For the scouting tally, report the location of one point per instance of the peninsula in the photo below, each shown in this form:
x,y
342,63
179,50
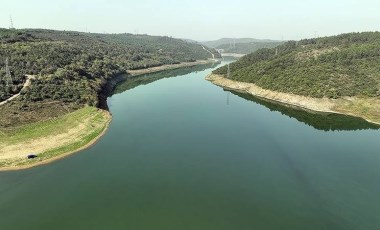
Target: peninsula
x,y
338,74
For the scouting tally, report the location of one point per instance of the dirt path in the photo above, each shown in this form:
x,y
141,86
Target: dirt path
x,y
26,84
213,55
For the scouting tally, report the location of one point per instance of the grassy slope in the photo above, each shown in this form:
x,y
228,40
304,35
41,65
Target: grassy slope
x,y
367,108
93,121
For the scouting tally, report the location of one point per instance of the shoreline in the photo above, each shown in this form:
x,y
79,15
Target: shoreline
x,y
107,114
63,155
169,67
117,79
365,108
235,55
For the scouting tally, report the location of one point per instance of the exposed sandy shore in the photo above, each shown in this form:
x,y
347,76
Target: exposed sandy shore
x,y
366,108
168,67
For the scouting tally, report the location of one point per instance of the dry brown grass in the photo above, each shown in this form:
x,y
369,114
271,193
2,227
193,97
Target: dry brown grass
x,y
308,54
17,113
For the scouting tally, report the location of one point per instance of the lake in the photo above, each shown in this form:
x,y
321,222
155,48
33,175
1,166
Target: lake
x,y
182,153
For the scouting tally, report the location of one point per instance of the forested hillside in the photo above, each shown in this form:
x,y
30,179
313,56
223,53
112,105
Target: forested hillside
x,y
72,67
344,65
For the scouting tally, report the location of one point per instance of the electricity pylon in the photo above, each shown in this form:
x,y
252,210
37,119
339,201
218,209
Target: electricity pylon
x,y
11,23
8,76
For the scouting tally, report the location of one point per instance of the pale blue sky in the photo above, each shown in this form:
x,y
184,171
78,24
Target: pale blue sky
x,y
197,19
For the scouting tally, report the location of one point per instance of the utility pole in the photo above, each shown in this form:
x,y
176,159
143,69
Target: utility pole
x,y
228,71
276,51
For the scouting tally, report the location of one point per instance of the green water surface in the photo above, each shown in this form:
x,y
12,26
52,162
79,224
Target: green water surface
x,y
182,153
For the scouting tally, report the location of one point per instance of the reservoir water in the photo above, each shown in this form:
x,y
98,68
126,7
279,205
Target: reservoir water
x,y
182,153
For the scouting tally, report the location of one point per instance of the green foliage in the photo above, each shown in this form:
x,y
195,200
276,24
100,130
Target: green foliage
x,y
73,67
344,65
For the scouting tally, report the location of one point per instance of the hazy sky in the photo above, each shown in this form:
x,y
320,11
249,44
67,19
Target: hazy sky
x,y
197,19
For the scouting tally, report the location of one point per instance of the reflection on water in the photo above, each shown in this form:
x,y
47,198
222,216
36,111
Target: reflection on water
x,y
320,121
145,79
177,157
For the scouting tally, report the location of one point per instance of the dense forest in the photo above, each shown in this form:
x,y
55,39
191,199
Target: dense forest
x,y
338,66
72,67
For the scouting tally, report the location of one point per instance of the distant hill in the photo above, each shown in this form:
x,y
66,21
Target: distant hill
x,y
190,40
231,41
333,67
241,45
246,48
